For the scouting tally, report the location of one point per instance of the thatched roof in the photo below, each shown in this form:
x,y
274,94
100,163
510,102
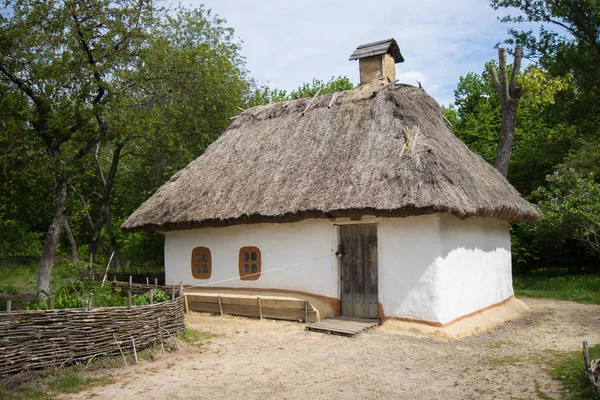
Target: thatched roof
x,y
376,150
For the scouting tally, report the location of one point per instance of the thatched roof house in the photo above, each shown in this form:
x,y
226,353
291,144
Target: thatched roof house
x,y
376,155
377,150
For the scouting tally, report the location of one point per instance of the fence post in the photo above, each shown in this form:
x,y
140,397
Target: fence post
x,y
259,309
220,305
155,283
90,300
8,306
52,302
305,312
172,292
147,281
134,350
151,296
160,336
130,281
129,300
180,289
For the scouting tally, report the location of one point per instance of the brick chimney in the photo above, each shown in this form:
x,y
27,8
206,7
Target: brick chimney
x,y
377,60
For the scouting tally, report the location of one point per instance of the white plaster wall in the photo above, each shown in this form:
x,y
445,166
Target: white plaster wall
x,y
408,248
432,268
438,268
281,245
476,270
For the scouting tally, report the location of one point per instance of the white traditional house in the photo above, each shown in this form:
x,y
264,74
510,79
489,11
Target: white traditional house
x,y
363,202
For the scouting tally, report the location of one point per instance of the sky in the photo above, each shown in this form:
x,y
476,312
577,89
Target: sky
x,y
287,43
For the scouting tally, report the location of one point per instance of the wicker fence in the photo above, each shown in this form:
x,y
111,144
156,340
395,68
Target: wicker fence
x,y
37,339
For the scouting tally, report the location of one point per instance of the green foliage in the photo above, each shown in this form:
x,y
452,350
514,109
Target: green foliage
x,y
75,294
544,284
542,88
317,86
570,53
143,247
540,143
160,83
478,114
570,371
266,95
17,240
570,203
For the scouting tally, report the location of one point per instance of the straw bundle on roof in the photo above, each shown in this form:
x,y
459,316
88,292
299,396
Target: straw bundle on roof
x,y
376,150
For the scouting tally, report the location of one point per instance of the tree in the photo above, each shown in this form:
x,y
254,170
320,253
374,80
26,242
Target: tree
x,y
68,59
190,80
478,114
566,44
580,19
509,94
542,139
265,95
569,229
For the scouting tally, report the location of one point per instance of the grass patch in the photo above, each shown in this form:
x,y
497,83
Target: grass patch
x,y
505,361
198,338
581,288
570,371
24,393
74,383
43,385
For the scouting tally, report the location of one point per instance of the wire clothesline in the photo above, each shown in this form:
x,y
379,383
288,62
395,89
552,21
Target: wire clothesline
x,y
263,272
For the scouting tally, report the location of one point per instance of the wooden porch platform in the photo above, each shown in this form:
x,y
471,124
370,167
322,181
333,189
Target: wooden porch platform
x,y
343,325
273,307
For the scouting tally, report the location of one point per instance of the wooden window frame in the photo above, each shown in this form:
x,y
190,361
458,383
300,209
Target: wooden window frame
x,y
205,260
249,276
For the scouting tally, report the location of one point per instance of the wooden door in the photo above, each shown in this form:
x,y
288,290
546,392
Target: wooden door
x,y
358,265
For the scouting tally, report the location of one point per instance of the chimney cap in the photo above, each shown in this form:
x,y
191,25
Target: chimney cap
x,y
378,48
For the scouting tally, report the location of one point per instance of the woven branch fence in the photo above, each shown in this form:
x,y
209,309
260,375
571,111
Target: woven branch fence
x,y
42,338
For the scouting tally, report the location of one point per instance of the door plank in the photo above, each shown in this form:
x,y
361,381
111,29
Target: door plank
x,y
358,268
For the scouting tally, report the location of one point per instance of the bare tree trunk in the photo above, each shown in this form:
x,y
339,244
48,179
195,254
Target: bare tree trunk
x,y
51,239
103,208
509,95
88,217
507,137
116,261
74,255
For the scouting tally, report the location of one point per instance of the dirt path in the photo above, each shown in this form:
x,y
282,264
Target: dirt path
x,y
265,359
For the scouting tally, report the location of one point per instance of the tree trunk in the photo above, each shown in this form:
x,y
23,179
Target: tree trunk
x,y
116,261
51,239
509,95
103,211
74,255
507,137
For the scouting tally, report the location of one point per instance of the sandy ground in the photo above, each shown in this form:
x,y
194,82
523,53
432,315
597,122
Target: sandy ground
x,y
267,360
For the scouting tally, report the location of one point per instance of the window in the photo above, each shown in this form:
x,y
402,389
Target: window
x,y
201,263
249,263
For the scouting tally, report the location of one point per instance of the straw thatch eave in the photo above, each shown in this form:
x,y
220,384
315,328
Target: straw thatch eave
x,y
376,150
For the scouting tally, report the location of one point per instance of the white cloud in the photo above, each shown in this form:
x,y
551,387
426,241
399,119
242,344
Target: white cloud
x,y
287,43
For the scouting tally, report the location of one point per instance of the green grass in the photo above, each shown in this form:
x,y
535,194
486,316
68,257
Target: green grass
x,y
74,383
570,371
198,338
580,288
24,393
44,385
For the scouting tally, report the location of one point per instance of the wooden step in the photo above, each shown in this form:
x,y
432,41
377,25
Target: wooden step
x,y
342,326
